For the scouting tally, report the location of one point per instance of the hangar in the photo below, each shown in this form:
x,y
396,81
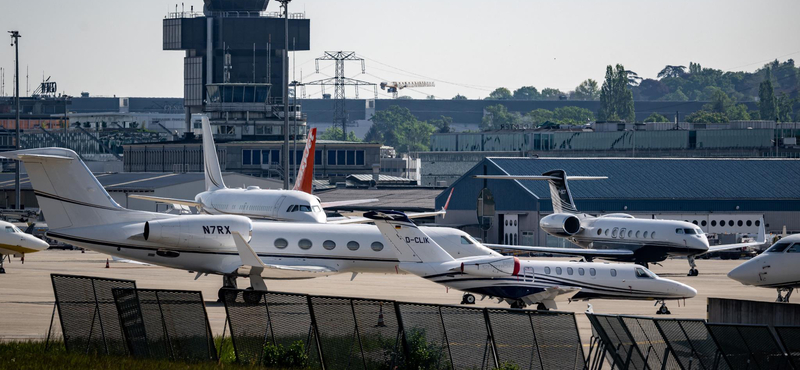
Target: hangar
x,y
725,197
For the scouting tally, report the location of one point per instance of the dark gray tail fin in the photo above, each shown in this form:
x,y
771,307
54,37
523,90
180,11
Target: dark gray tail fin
x,y
559,192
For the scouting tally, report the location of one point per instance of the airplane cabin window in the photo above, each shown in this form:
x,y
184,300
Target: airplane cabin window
x,y
703,223
465,241
641,273
581,271
645,234
606,232
599,232
778,247
304,244
795,248
9,229
558,270
653,235
749,223
329,244
637,234
678,231
377,246
613,272
592,272
547,270
353,245
630,233
740,223
758,222
614,232
622,233
569,270
281,243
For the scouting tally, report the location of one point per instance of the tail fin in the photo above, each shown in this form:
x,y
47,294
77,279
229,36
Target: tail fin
x,y
305,174
559,192
210,160
410,243
68,194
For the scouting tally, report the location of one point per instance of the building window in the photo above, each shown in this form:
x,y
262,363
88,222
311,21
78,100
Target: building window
x,y
704,223
247,157
713,222
359,157
749,223
758,222
265,156
257,157
318,158
340,155
740,223
331,157
275,156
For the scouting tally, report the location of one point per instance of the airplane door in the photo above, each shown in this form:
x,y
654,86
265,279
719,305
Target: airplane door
x,y
277,211
528,273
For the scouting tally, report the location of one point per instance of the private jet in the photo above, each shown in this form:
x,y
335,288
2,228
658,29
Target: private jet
x,y
618,236
14,242
522,282
776,268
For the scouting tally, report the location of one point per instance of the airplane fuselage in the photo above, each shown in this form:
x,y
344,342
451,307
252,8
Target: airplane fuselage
x,y
777,267
280,205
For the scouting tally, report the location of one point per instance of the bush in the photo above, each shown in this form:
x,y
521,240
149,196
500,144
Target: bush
x,y
294,357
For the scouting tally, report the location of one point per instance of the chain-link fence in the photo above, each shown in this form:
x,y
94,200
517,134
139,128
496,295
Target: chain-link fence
x,y
748,347
88,315
352,333
789,337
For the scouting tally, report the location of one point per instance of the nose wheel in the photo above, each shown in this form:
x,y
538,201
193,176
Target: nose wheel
x,y
693,271
468,299
663,310
784,298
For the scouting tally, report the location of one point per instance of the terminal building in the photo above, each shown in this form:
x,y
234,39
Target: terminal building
x,y
723,196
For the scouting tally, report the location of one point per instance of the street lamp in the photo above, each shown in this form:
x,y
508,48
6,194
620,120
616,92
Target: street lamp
x,y
15,43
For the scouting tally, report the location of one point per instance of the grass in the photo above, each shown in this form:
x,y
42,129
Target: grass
x,y
32,355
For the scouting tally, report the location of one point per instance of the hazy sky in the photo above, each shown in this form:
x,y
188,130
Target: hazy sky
x,y
113,47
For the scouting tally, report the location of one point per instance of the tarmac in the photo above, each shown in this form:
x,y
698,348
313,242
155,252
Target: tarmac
x,y
26,293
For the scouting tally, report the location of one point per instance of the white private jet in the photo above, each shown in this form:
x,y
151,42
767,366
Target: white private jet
x,y
14,242
618,236
297,204
776,268
522,282
79,211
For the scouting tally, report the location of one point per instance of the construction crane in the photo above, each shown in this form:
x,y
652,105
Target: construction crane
x,y
394,87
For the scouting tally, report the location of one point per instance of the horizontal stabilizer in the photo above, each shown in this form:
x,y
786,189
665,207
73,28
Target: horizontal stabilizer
x,y
342,203
21,154
761,239
183,202
511,177
364,220
600,253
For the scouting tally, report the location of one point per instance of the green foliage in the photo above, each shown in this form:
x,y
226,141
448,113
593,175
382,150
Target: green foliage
x,y
423,355
587,90
501,93
677,95
526,93
767,104
294,357
571,115
335,133
405,97
498,117
551,94
704,116
785,108
399,128
508,365
539,116
442,124
459,97
655,117
672,71
738,112
616,99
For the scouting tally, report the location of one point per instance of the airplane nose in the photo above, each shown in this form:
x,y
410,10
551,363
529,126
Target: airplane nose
x,y
743,273
687,291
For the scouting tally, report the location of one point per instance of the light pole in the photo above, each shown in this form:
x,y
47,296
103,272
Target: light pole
x,y
285,83
15,43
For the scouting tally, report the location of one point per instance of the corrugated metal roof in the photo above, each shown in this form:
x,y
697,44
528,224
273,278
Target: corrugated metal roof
x,y
125,181
661,178
419,199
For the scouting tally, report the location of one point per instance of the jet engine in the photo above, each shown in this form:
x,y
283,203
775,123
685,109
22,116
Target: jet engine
x,y
561,224
494,267
198,231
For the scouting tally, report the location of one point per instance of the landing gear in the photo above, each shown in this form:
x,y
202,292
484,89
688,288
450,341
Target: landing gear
x,y
518,304
468,299
228,281
541,307
692,267
784,298
663,310
2,263
251,296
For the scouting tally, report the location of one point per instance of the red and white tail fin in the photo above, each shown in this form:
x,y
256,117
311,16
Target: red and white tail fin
x,y
305,174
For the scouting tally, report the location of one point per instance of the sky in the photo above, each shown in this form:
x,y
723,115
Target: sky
x,y
466,47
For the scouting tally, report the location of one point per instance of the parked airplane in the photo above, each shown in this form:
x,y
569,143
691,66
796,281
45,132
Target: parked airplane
x,y
776,268
79,211
297,204
618,236
522,282
17,243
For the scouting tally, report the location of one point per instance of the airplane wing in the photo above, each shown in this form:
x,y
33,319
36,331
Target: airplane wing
x,y
600,253
761,240
125,260
548,296
257,270
182,202
364,220
346,203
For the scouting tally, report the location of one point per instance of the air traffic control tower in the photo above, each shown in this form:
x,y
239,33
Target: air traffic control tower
x,y
233,67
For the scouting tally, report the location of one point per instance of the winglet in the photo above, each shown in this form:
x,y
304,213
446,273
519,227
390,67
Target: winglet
x,y
305,173
250,258
447,203
762,233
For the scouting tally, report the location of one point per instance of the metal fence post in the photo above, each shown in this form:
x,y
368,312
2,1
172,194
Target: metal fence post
x,y
446,341
358,334
168,341
100,317
315,330
489,330
50,328
401,336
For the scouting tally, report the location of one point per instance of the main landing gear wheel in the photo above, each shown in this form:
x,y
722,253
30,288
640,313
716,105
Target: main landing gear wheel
x,y
226,294
784,298
693,272
468,299
251,296
518,304
228,281
663,310
541,307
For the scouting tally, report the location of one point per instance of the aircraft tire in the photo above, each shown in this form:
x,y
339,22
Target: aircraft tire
x,y
251,296
226,294
469,299
2,270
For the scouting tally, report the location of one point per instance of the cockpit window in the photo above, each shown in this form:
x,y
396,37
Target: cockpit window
x,y
316,209
9,229
778,247
678,231
642,273
305,208
690,231
466,241
291,208
795,248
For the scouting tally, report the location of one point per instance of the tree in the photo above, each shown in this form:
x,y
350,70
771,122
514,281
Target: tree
x,y
497,117
672,71
442,124
431,97
695,68
720,101
650,89
655,117
767,104
572,115
399,128
551,94
677,95
539,116
633,78
587,90
459,97
405,97
526,93
616,99
785,108
501,93
704,116
738,112
335,133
